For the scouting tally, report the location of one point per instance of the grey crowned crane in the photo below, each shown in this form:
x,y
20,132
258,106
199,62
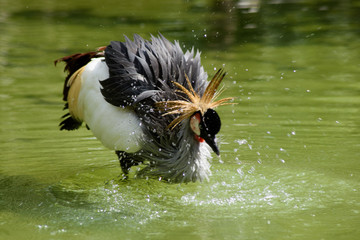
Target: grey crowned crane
x,y
150,102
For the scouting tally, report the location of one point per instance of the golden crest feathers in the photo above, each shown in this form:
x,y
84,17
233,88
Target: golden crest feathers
x,y
187,107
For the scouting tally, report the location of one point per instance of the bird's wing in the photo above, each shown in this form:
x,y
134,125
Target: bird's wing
x,y
142,69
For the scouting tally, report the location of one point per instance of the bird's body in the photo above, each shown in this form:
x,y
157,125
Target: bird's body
x,y
116,127
146,100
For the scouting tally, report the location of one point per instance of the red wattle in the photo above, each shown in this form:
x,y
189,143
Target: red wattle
x,y
198,138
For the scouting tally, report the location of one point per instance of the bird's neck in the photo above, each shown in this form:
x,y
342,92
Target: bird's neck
x,y
178,157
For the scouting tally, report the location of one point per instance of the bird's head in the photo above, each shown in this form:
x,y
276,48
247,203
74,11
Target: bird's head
x,y
204,121
205,127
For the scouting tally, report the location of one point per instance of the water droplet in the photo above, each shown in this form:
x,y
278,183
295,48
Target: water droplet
x,y
241,141
251,170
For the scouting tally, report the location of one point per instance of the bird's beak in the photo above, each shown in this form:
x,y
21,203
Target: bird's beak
x,y
210,140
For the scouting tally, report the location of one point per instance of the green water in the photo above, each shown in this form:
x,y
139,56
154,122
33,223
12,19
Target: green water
x,y
289,167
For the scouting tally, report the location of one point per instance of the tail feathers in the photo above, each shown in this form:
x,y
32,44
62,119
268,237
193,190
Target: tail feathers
x,y
74,63
69,123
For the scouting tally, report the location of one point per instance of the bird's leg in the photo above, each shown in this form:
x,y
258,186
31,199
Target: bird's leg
x,y
126,162
123,161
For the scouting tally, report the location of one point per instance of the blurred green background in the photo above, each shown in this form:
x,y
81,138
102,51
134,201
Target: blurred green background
x,y
289,167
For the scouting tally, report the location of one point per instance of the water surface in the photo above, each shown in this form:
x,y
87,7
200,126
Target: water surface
x,y
289,167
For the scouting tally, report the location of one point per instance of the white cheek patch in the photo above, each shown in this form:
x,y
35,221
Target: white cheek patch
x,y
194,124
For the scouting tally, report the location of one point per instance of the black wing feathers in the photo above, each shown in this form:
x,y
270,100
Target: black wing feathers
x,y
141,69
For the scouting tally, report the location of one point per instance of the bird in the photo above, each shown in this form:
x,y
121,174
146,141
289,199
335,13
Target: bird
x,y
151,102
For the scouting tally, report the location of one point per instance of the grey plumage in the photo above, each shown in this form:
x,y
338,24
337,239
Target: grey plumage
x,y
147,68
141,74
179,158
